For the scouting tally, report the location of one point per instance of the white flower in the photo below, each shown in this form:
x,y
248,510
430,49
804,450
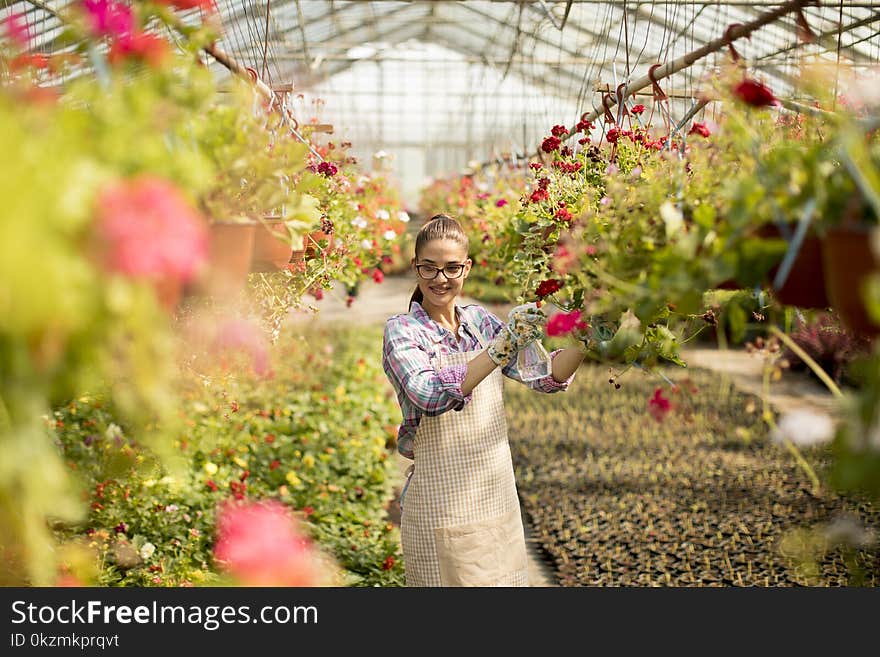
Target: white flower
x,y
147,550
114,431
359,222
672,217
366,244
389,235
354,205
171,508
404,217
804,428
383,215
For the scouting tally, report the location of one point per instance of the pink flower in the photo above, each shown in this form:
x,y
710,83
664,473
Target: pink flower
x,y
699,129
260,544
17,30
658,406
565,323
378,276
244,336
754,93
108,18
638,109
500,203
151,230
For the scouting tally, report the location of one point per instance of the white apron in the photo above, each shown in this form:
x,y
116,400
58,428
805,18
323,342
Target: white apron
x,y
460,522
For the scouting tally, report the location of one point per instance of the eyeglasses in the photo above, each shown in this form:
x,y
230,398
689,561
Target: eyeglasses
x,y
430,272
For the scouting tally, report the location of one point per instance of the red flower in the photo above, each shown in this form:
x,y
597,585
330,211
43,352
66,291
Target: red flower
x,y
261,544
583,126
183,5
699,129
378,276
550,144
565,323
638,109
500,203
121,528
548,287
307,511
211,484
327,169
141,46
563,215
535,166
754,93
584,140
274,464
658,406
389,562
539,195
612,135
559,131
318,293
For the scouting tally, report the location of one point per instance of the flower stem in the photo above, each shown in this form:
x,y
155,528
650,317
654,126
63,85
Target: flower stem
x,y
789,445
812,364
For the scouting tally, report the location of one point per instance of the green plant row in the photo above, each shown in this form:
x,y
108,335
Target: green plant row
x,y
316,435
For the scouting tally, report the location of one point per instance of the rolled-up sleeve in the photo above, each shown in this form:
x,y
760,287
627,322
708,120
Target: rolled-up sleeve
x,y
409,366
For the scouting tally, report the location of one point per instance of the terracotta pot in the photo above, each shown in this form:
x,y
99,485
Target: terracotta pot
x,y
804,286
229,258
272,249
848,263
312,241
169,292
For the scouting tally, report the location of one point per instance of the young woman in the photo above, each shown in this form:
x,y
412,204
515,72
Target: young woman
x,y
460,522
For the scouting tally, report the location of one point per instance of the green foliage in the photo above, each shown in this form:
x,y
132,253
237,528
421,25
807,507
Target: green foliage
x,y
316,437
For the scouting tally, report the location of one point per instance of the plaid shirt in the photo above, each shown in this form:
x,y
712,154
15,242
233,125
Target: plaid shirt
x,y
412,340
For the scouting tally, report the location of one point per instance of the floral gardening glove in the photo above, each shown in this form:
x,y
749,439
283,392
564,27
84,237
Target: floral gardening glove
x,y
525,324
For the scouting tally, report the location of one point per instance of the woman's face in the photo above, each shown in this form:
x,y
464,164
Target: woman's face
x,y
442,254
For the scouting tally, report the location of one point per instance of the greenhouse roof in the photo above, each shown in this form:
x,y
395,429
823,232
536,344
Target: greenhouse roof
x,y
482,77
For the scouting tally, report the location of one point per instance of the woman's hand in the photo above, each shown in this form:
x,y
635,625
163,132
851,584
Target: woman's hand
x,y
525,325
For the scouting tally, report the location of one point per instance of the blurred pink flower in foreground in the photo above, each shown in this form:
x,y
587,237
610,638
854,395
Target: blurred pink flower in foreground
x,y
260,544
659,406
245,336
108,18
565,323
17,30
151,230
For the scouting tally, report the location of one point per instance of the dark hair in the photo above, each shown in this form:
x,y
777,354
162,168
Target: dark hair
x,y
438,227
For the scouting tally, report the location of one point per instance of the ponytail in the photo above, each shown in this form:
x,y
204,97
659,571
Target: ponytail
x,y
438,227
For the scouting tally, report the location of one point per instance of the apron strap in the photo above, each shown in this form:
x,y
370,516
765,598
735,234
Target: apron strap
x,y
484,343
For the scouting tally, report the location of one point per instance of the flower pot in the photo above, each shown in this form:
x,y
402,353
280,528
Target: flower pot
x,y
272,250
229,258
848,263
804,286
312,243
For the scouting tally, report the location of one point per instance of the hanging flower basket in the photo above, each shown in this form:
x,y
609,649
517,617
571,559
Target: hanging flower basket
x,y
848,263
804,285
229,258
271,250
